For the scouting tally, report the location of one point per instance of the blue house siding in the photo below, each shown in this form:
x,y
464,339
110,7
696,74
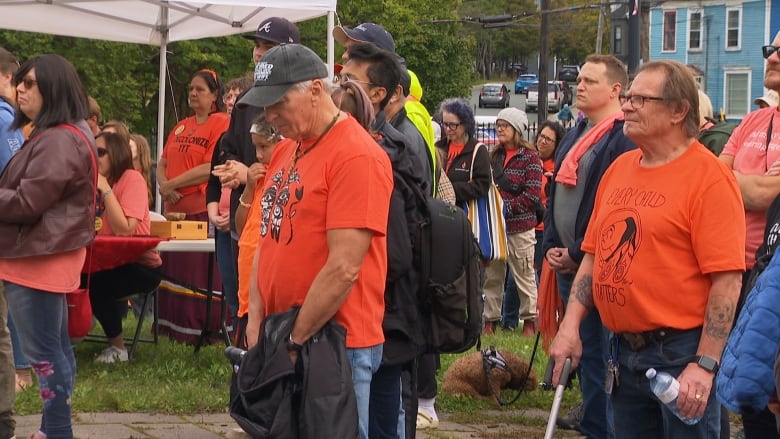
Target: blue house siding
x,y
714,59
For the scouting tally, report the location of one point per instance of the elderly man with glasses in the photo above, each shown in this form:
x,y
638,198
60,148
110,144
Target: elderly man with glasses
x,y
753,153
662,264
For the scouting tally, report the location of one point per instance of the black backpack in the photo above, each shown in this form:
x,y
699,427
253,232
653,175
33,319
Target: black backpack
x,y
445,266
452,276
715,137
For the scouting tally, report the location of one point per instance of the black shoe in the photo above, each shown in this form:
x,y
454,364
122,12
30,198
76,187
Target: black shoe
x,y
572,419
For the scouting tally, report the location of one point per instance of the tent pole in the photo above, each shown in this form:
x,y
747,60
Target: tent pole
x,y
161,97
331,43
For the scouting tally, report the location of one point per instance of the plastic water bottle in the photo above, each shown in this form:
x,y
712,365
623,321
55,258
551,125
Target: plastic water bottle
x,y
666,388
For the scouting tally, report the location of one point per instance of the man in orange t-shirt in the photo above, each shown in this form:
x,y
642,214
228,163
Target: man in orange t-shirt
x,y
664,255
325,202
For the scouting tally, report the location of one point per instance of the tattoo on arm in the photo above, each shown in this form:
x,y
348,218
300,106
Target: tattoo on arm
x,y
583,291
717,321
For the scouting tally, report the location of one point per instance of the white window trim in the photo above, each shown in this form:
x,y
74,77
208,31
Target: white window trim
x,y
663,30
701,31
737,70
740,29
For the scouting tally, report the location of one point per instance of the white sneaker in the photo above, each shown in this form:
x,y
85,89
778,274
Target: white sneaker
x,y
112,354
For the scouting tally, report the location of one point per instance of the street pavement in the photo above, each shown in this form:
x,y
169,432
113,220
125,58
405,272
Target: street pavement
x,y
221,425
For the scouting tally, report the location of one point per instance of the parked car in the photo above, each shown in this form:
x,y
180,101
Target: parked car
x,y
554,97
523,81
486,130
567,91
494,95
569,73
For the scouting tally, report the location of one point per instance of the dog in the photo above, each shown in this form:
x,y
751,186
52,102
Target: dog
x,y
466,376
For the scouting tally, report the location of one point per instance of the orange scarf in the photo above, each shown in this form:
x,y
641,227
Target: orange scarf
x,y
568,173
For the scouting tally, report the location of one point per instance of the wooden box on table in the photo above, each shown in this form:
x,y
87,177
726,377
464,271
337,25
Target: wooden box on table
x,y
180,229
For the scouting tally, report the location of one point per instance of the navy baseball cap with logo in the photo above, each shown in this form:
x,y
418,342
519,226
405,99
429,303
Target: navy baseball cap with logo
x,y
278,70
276,30
366,33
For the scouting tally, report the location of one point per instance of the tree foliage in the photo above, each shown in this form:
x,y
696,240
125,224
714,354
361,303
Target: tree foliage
x,y
446,57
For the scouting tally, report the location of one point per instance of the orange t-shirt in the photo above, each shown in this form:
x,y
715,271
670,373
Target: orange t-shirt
x,y
343,183
547,166
247,246
748,146
657,233
191,144
62,271
130,191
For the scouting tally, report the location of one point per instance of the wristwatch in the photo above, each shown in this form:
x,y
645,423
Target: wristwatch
x,y
292,345
708,363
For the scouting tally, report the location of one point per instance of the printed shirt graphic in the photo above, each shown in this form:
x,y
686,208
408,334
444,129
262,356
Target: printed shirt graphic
x,y
657,233
343,183
748,146
191,144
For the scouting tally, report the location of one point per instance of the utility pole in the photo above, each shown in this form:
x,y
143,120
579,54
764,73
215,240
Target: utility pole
x,y
544,49
600,35
634,31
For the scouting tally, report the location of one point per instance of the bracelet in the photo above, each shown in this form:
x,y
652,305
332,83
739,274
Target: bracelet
x,y
242,203
108,192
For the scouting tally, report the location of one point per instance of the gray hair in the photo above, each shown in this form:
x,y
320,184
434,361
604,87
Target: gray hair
x,y
327,84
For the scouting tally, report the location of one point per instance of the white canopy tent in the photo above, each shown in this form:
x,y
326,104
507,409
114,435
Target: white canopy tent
x,y
157,22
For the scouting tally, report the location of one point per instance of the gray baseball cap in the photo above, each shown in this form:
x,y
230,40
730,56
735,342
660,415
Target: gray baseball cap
x,y
278,70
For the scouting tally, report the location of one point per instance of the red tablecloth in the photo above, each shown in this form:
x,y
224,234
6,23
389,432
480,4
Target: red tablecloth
x,y
107,252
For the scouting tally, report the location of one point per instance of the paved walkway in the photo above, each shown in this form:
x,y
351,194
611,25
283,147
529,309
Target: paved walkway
x,y
220,425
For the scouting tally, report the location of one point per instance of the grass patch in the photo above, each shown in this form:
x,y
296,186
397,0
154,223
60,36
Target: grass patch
x,y
169,378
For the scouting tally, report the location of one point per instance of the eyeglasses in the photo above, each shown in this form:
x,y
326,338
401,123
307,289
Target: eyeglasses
x,y
349,77
451,125
638,101
502,126
768,51
28,83
546,139
102,152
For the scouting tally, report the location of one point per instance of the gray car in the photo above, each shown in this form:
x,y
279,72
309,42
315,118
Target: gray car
x,y
495,95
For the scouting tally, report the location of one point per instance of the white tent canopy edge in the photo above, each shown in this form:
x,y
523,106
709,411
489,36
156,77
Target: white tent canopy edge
x,y
158,22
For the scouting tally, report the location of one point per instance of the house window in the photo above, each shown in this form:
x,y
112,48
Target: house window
x,y
737,93
733,28
670,31
694,30
618,49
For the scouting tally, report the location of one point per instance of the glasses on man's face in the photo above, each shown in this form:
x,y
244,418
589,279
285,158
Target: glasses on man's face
x,y
451,125
501,126
102,152
546,139
29,83
768,51
348,77
638,101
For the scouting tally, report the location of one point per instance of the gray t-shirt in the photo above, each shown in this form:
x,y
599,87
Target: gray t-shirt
x,y
567,199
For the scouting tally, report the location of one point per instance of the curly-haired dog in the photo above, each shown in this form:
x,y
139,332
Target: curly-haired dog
x,y
467,377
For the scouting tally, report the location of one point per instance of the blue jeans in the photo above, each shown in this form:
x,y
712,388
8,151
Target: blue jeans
x,y
510,308
383,420
20,362
597,411
638,414
226,266
42,325
364,363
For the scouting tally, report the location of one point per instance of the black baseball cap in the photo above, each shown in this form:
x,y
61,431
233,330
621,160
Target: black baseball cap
x,y
276,30
366,33
278,70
